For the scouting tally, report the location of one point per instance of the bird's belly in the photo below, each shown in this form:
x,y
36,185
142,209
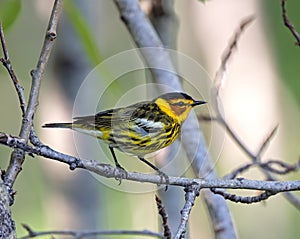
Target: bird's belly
x,y
141,145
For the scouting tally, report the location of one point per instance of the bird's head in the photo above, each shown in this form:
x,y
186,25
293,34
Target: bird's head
x,y
177,104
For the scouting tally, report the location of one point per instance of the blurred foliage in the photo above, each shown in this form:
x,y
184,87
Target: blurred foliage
x,y
88,41
85,34
283,42
9,11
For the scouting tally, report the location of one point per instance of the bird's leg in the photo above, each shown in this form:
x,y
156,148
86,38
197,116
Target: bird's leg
x,y
161,174
124,173
115,158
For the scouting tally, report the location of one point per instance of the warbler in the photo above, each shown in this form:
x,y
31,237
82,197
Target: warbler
x,y
138,129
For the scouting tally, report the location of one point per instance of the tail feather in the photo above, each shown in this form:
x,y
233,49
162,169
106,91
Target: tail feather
x,y
58,125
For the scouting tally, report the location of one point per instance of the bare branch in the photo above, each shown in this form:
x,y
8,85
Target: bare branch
x,y
109,171
88,234
220,75
273,166
220,79
191,192
266,142
162,212
17,157
284,168
240,170
241,199
288,24
3,44
7,64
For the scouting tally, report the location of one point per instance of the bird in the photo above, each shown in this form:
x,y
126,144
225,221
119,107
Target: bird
x,y
138,129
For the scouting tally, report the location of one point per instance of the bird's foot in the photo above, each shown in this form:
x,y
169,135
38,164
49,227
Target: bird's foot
x,y
120,173
164,178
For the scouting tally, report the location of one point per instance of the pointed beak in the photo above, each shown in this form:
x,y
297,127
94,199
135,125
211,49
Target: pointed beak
x,y
198,102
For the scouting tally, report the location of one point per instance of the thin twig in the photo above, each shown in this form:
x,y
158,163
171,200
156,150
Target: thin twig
x,y
164,216
268,167
220,79
220,75
266,142
87,234
3,44
288,24
239,170
284,168
18,87
17,157
7,64
273,166
20,92
241,199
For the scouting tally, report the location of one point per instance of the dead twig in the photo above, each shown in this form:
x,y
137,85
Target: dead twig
x,y
7,64
241,199
288,24
220,75
280,167
266,142
164,216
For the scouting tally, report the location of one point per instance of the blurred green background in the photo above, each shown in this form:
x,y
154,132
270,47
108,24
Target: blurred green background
x,y
262,90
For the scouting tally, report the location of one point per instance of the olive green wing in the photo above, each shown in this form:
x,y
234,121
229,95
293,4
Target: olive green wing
x,y
108,117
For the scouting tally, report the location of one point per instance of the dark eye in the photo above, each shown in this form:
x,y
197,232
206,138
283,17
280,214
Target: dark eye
x,y
180,103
